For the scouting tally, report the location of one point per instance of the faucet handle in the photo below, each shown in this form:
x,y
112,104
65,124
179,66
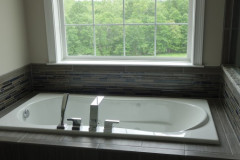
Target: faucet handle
x,y
108,125
76,123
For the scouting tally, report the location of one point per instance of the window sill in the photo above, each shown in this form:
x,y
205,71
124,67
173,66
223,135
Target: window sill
x,y
128,63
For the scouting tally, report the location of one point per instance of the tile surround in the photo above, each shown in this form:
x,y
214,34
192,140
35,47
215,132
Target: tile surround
x,y
231,94
14,86
127,76
128,80
117,80
57,146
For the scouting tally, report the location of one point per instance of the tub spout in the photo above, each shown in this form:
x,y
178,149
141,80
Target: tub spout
x,y
61,125
93,119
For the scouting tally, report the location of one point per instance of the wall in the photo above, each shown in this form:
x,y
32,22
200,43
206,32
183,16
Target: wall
x,y
36,30
213,36
212,41
13,39
15,77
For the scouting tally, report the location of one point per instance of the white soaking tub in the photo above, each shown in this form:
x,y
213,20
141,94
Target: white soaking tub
x,y
170,119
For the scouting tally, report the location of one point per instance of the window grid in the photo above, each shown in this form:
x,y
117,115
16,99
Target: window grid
x,y
124,31
155,29
119,24
94,35
155,24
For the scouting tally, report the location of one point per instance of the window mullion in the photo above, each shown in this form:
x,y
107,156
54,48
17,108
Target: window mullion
x,y
124,31
155,31
94,31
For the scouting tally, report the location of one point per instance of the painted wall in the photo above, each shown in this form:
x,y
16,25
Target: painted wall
x,y
13,39
212,41
36,28
213,36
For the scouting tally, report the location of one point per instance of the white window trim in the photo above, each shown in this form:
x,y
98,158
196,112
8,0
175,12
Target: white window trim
x,y
55,19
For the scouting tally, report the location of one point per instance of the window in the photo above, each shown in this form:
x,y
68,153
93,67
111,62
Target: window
x,y
151,30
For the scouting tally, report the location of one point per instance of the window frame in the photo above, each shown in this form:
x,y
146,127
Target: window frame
x,y
54,16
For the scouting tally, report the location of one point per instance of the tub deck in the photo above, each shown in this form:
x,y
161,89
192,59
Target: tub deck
x,y
24,144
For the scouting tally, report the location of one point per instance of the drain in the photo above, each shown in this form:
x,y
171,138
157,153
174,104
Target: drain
x,y
26,113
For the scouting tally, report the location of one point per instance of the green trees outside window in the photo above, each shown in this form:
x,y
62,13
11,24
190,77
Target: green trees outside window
x,y
126,28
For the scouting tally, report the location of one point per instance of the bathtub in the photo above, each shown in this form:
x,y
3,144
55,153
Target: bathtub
x,y
170,119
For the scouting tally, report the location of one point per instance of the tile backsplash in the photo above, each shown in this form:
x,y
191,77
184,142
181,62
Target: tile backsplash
x,y
128,80
231,94
14,86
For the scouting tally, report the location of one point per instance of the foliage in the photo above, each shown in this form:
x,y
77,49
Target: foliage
x,y
109,29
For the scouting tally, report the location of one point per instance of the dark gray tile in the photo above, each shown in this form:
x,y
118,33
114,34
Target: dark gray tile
x,y
42,137
231,99
12,134
229,131
51,141
162,151
119,148
14,86
153,69
124,142
205,70
79,145
98,69
44,67
163,145
159,81
83,139
9,139
193,155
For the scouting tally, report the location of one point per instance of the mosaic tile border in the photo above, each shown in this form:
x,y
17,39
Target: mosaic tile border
x,y
231,94
128,80
14,86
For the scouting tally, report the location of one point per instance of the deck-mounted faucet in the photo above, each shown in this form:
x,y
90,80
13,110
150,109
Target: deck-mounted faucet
x,y
108,125
93,119
61,125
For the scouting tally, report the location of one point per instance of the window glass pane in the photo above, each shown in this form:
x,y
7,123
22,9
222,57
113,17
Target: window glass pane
x,y
109,40
78,11
139,11
172,40
79,40
108,11
172,11
139,40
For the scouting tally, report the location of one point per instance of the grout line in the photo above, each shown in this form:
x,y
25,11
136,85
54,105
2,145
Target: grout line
x,y
23,137
98,145
124,30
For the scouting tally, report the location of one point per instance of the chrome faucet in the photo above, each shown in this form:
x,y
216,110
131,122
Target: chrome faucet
x,y
93,119
61,125
108,125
